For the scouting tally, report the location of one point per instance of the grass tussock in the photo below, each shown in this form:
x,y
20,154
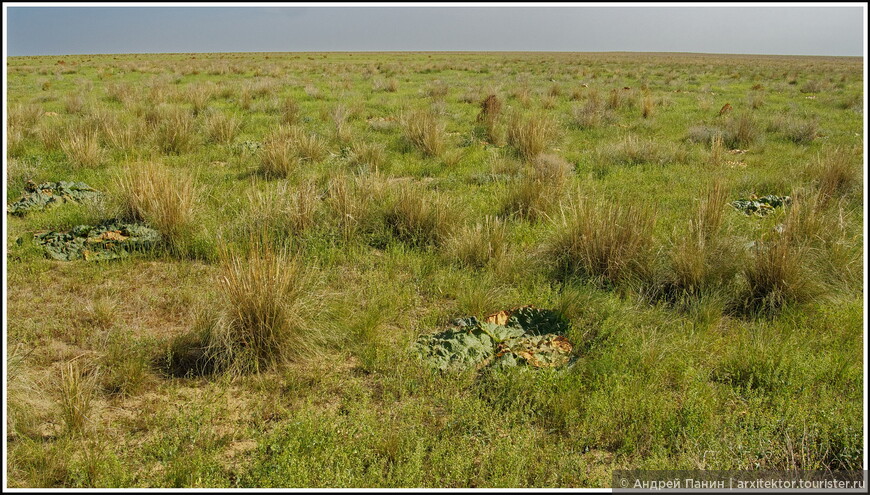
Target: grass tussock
x,y
419,218
648,106
175,130
75,104
15,143
603,241
82,149
530,135
385,85
222,128
23,395
278,158
700,261
794,128
479,244
284,212
776,275
835,173
489,118
591,114
741,131
123,135
354,203
285,149
290,111
541,188
425,131
198,96
269,297
369,155
717,151
164,199
24,117
636,151
308,146
77,389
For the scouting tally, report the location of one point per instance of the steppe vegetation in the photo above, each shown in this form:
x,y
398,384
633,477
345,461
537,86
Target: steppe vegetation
x,y
318,212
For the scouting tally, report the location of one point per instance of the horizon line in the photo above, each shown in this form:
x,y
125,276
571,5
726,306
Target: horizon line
x,y
861,56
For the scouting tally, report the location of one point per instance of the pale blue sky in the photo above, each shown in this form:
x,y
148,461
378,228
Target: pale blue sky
x,y
721,29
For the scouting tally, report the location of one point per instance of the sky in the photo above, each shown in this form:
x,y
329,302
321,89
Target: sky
x,y
772,30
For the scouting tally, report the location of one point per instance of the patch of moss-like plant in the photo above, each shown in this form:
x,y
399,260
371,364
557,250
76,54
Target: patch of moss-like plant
x,y
760,206
110,240
49,194
524,336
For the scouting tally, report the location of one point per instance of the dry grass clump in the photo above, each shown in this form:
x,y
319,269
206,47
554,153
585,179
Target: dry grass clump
x,y
800,131
703,134
552,169
591,114
24,117
523,95
278,158
717,151
246,98
313,92
755,100
164,199
529,198
603,241
289,111
285,148
24,400
776,275
77,389
100,313
198,95
269,297
123,135
635,151
52,133
806,222
647,106
386,85
700,261
82,148
425,131
354,203
530,135
835,173
284,212
543,186
122,93
15,144
308,146
618,98
479,244
367,154
813,86
222,128
175,129
548,102
437,90
339,114
489,118
501,165
419,218
741,131
74,104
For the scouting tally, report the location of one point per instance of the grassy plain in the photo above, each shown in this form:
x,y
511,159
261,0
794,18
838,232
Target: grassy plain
x,y
320,211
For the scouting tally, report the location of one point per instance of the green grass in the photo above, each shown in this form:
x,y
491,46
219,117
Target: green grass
x,y
323,210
